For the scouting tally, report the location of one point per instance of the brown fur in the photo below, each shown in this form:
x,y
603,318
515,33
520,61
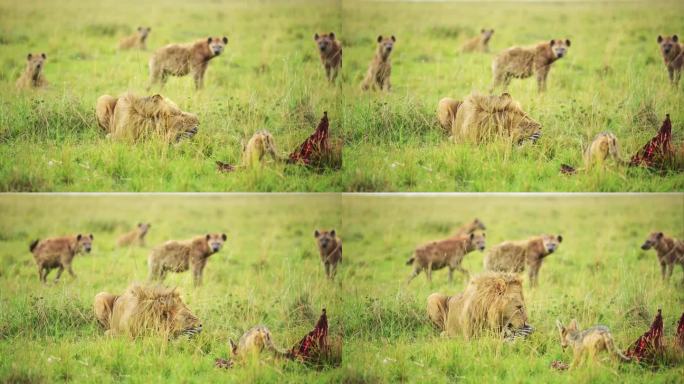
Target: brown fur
x,y
513,256
479,43
523,62
137,40
587,343
380,68
58,252
670,251
33,77
673,56
492,302
445,253
446,112
136,236
259,145
179,256
182,59
481,118
330,51
468,228
132,118
330,249
605,146
254,341
143,311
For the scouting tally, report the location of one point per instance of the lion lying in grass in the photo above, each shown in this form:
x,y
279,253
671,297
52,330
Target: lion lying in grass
x,y
145,310
480,118
132,118
492,302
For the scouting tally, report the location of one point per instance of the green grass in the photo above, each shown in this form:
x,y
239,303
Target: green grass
x,y
270,78
269,273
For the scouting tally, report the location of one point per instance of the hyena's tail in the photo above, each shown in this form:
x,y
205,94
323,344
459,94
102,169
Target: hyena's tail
x,y
33,244
608,340
437,309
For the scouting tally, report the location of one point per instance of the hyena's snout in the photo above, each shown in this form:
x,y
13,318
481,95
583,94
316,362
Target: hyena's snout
x,y
646,246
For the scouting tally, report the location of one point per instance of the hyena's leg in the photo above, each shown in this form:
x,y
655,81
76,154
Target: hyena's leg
x,y
663,268
333,270
670,268
59,273
327,72
199,75
428,272
327,269
197,276
451,275
416,272
71,271
541,79
671,75
498,79
335,70
533,274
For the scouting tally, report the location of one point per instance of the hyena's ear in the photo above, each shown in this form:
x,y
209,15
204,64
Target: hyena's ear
x,y
567,42
552,42
208,236
660,39
472,236
675,38
659,235
92,237
379,38
482,30
560,238
225,40
224,237
149,225
44,56
393,38
316,36
29,56
332,35
149,29
140,29
492,30
209,39
316,233
139,225
484,234
332,233
78,237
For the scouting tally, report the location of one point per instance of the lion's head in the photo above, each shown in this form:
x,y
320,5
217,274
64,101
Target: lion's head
x,y
147,310
493,301
482,118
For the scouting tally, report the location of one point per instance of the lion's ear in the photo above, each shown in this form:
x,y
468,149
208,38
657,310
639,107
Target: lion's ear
x,y
157,98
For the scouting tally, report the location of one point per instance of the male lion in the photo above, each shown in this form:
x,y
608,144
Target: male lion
x,y
492,302
480,118
145,310
512,256
132,118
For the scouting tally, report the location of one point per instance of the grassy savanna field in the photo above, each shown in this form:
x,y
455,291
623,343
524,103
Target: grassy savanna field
x,y
270,78
269,273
